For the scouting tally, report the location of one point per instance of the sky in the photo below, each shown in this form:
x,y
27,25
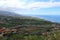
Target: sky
x,y
31,7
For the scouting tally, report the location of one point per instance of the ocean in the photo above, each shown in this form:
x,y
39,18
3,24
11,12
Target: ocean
x,y
53,18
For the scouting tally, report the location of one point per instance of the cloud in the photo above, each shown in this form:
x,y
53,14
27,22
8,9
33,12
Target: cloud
x,y
39,5
11,4
19,4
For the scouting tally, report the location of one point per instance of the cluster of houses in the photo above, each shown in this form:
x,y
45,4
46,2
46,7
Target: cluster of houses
x,y
7,31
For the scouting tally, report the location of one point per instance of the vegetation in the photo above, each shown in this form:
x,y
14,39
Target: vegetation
x,y
9,21
18,36
37,29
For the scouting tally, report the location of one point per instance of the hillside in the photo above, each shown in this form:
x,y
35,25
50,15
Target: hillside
x,y
27,28
10,19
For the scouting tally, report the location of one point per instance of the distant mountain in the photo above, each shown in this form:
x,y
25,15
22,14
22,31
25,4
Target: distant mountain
x,y
7,13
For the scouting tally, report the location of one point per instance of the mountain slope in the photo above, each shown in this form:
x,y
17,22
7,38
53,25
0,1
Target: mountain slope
x,y
10,19
7,13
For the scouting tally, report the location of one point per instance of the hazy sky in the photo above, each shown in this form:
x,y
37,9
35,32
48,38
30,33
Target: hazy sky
x,y
32,7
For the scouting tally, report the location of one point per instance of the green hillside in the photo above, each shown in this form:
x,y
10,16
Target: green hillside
x,y
11,21
30,28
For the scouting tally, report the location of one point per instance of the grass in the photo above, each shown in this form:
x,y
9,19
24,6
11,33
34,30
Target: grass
x,y
52,36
